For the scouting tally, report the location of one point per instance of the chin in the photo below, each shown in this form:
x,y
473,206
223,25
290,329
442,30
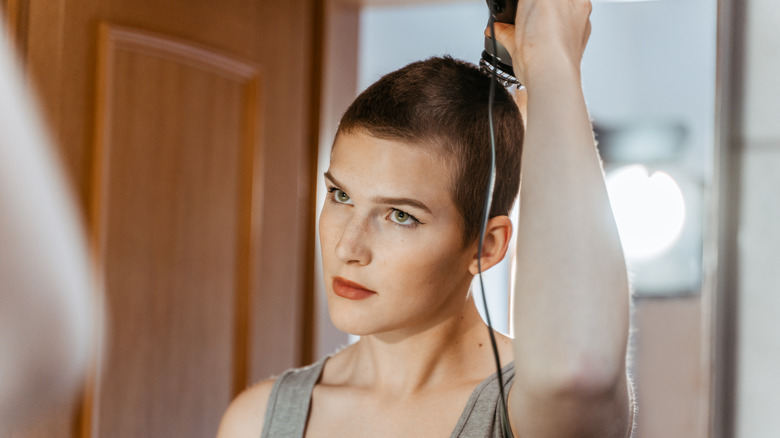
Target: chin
x,y
356,322
353,323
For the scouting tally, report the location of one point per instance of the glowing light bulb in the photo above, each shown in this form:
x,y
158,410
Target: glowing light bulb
x,y
649,210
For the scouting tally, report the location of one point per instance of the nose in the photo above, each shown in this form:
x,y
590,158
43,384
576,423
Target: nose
x,y
353,246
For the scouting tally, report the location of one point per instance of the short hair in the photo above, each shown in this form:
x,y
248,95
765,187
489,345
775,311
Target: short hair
x,y
442,103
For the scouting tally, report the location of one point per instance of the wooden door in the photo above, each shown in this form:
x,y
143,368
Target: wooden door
x,y
189,129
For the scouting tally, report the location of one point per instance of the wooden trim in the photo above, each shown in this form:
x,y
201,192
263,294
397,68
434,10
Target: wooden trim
x,y
246,235
102,135
308,337
96,213
17,19
182,52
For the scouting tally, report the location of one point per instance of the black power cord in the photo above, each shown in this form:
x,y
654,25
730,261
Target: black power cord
x,y
506,429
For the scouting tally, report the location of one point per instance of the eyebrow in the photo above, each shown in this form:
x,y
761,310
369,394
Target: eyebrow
x,y
386,199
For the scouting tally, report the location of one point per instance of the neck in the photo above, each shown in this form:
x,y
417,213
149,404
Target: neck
x,y
405,363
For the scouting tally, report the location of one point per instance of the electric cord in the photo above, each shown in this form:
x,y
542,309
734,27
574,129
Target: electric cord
x,y
506,429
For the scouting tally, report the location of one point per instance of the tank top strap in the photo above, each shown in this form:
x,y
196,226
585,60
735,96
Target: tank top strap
x,y
289,402
481,418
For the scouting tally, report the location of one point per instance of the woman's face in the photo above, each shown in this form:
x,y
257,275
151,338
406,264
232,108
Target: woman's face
x,y
391,237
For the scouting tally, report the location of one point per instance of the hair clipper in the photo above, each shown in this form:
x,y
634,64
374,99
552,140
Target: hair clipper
x,y
502,11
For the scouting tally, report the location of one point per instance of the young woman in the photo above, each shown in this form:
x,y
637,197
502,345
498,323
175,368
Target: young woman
x,y
399,245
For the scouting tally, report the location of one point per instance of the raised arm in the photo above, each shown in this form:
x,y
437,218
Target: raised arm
x,y
571,316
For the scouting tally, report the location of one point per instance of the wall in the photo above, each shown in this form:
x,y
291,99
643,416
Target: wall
x,y
758,242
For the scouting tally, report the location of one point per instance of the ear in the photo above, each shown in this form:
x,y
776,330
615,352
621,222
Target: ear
x,y
497,236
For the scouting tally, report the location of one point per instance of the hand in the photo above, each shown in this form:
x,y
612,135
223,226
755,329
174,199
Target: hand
x,y
547,34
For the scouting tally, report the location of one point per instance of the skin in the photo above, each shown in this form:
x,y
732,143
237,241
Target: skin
x,y
575,326
48,312
424,348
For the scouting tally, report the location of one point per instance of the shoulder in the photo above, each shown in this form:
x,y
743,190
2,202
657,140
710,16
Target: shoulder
x,y
244,417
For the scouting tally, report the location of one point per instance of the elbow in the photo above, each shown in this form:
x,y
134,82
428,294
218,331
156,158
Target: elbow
x,y
587,399
583,378
592,380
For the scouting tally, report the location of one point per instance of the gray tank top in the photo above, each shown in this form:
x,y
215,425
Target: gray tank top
x,y
288,405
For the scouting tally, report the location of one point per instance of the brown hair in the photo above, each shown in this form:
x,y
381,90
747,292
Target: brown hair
x,y
442,103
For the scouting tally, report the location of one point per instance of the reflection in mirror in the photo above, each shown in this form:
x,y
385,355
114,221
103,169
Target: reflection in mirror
x,y
649,75
649,78
650,89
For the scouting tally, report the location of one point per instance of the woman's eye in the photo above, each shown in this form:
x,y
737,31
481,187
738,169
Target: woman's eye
x,y
341,196
402,217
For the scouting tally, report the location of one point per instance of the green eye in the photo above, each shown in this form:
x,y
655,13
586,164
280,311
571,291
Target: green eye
x,y
339,196
400,216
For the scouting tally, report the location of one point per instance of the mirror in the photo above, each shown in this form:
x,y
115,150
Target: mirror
x,y
649,79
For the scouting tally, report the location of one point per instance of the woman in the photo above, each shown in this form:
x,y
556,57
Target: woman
x,y
399,246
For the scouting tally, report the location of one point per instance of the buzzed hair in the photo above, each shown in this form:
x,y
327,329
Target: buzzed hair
x,y
442,104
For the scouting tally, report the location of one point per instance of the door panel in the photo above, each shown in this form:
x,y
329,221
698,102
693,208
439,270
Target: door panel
x,y
189,129
174,187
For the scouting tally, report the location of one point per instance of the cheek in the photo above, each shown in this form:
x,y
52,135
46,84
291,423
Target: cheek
x,y
432,265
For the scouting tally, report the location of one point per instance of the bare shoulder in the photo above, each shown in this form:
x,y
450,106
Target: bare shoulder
x,y
244,417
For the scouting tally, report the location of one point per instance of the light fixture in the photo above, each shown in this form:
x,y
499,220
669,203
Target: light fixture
x,y
649,210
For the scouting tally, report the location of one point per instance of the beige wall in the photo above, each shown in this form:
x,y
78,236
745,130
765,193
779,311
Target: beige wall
x,y
758,318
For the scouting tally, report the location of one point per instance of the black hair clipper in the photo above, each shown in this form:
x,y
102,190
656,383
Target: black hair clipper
x,y
498,59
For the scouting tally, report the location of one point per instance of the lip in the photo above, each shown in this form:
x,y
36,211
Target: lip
x,y
350,290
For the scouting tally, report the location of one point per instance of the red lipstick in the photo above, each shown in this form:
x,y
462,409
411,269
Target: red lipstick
x,y
350,290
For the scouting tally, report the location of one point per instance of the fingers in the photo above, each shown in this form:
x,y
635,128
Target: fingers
x,y
545,31
505,34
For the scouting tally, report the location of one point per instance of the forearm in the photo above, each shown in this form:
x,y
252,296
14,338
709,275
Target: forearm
x,y
571,303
